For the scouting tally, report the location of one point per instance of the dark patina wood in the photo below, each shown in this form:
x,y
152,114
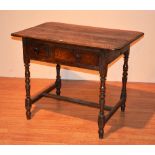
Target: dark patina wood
x,y
103,74
80,46
27,81
78,101
58,80
124,80
81,35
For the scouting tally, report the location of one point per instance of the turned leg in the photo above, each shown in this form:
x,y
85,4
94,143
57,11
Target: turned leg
x,y
101,116
124,80
58,80
27,87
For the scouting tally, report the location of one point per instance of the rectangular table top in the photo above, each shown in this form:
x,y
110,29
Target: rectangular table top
x,y
103,38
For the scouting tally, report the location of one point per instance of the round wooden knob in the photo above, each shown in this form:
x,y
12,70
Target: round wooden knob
x,y
78,56
36,50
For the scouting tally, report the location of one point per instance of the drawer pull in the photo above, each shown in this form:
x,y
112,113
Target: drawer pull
x,y
78,56
36,50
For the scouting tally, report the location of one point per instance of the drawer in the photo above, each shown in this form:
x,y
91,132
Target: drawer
x,y
39,50
76,57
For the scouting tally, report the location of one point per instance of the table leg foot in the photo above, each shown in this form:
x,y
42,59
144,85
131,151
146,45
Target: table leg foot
x,y
28,115
101,121
123,107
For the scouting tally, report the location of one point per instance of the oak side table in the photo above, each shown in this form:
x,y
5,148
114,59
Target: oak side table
x,y
80,46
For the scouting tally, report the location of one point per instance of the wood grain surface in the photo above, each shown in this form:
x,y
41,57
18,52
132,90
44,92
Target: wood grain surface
x,y
104,38
59,122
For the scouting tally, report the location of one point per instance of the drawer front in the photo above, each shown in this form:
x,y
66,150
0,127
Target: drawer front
x,y
64,55
39,50
76,57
